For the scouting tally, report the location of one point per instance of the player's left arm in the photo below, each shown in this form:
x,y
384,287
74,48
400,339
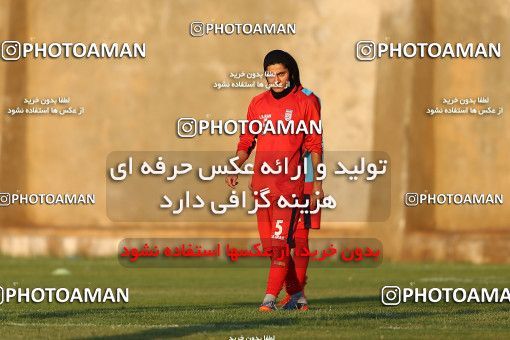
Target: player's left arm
x,y
313,144
317,192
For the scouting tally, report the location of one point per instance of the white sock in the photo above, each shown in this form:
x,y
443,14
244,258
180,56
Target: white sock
x,y
269,298
302,299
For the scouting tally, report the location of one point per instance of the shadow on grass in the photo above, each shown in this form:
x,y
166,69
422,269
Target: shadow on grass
x,y
215,327
374,311
175,332
340,300
318,304
127,310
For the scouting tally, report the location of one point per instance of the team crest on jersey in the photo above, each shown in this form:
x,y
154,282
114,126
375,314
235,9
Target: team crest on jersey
x,y
288,114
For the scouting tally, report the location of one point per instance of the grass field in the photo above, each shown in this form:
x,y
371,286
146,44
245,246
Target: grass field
x,y
219,303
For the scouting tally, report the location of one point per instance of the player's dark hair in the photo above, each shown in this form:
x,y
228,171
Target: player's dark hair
x,y
282,57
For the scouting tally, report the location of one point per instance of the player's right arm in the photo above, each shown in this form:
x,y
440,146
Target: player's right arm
x,y
231,180
245,146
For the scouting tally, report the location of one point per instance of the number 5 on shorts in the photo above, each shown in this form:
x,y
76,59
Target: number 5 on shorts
x,y
279,228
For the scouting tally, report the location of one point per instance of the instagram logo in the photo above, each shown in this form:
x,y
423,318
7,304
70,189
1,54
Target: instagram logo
x,y
187,127
411,199
365,50
390,295
196,29
5,199
11,50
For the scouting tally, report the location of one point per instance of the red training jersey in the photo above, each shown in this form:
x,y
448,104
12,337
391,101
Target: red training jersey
x,y
299,105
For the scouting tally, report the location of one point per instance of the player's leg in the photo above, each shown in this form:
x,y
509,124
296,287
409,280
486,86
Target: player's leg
x,y
264,227
293,274
301,263
283,222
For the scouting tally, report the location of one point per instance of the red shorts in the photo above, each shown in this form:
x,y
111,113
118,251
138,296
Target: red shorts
x,y
276,225
280,226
